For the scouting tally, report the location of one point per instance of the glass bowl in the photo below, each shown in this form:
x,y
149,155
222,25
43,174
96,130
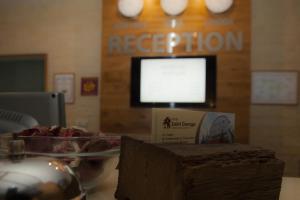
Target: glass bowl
x,y
88,156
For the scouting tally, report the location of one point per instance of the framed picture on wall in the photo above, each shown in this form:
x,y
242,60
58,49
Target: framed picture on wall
x,y
274,87
65,83
89,86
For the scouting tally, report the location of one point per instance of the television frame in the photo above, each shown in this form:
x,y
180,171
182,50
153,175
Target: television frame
x,y
210,90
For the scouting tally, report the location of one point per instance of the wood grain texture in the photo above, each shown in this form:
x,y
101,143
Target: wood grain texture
x,y
194,172
233,65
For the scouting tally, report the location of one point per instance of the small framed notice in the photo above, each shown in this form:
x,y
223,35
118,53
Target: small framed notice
x,y
89,86
274,87
65,83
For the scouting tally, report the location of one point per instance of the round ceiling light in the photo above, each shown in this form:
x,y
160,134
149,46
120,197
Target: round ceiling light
x,y
218,6
173,7
130,8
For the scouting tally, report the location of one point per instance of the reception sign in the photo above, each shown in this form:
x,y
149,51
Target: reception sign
x,y
195,32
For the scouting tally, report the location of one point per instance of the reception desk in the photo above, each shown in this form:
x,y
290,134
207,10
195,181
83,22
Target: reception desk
x,y
290,189
105,190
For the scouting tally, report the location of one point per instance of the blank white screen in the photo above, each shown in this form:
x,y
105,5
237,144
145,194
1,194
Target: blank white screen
x,y
181,80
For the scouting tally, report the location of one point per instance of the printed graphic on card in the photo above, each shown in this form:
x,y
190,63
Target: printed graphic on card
x,y
216,128
175,125
187,126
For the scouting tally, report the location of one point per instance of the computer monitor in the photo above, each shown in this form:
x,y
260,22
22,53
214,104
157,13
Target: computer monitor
x,y
14,122
48,108
188,81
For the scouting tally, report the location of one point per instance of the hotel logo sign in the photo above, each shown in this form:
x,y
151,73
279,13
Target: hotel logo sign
x,y
175,123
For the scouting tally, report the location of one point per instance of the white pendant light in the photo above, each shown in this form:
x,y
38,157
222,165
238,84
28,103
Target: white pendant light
x,y
218,6
130,8
173,7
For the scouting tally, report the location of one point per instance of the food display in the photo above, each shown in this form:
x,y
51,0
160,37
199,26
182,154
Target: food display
x,y
58,139
54,131
84,151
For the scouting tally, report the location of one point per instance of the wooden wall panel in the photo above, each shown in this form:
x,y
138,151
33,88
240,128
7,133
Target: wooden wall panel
x,y
233,63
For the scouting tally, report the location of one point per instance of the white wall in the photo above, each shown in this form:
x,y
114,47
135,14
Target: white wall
x,y
276,46
69,32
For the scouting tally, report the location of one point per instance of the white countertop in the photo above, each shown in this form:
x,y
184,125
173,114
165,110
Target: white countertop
x,y
290,189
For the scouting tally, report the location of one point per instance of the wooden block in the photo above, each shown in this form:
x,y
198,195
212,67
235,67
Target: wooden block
x,y
197,172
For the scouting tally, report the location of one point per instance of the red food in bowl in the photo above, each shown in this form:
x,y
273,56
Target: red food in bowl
x,y
85,152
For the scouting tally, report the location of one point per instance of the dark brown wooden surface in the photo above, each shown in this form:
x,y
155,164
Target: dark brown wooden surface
x,y
233,70
193,172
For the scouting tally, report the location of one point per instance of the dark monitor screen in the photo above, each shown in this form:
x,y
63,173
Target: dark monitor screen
x,y
48,108
173,81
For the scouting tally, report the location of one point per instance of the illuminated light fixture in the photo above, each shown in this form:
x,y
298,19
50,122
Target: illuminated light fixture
x,y
173,7
130,8
218,6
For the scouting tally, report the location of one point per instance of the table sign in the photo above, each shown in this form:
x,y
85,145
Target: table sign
x,y
188,126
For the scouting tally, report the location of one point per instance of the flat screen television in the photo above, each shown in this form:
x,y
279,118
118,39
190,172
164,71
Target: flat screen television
x,y
48,108
188,81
